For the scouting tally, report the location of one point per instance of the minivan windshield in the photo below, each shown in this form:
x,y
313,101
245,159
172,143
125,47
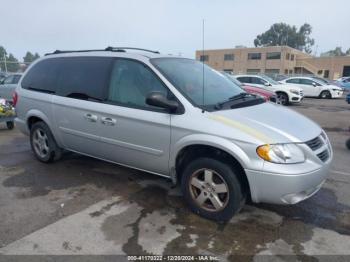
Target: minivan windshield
x,y
188,75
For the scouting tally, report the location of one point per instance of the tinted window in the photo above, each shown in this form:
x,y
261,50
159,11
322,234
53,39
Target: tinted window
x,y
84,77
131,82
306,82
293,81
16,79
244,79
257,80
42,76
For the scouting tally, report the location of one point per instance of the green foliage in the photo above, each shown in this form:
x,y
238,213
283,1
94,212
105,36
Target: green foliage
x,y
336,52
29,57
283,34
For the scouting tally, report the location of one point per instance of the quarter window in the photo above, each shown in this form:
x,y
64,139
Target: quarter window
x,y
131,82
42,76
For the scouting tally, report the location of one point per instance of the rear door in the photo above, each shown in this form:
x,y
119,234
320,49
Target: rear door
x,y
81,90
311,88
132,132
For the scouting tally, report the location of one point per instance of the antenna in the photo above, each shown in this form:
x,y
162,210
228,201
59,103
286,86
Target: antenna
x,y
203,64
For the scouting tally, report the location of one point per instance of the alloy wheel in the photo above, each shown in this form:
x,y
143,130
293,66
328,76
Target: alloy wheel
x,y
209,190
41,143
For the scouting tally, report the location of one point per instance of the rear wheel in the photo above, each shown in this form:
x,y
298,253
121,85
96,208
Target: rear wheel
x,y
212,189
10,125
348,143
282,98
325,95
43,143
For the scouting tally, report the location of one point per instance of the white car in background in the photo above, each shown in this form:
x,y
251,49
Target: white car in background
x,y
315,87
286,93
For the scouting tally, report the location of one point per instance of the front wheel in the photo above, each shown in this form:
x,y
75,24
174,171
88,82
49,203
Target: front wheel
x,y
282,98
212,189
325,95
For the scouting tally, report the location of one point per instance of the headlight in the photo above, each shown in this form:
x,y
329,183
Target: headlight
x,y
281,153
294,91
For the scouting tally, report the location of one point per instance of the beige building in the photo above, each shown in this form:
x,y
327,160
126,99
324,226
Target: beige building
x,y
274,60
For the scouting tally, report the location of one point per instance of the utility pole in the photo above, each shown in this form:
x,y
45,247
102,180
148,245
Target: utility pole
x,y
5,63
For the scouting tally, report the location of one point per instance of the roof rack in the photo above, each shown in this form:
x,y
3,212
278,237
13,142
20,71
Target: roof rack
x,y
109,48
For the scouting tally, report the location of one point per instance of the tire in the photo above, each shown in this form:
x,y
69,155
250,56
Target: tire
x,y
348,143
283,98
196,191
325,95
43,143
10,125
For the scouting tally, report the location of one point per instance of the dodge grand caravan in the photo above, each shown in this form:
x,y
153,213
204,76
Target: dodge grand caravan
x,y
173,117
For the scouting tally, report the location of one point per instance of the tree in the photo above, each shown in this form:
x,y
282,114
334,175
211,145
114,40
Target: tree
x,y
284,34
12,63
3,53
29,57
336,52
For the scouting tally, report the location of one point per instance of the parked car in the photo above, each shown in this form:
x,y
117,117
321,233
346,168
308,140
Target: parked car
x,y
267,95
286,94
348,98
2,76
344,82
315,87
155,113
8,86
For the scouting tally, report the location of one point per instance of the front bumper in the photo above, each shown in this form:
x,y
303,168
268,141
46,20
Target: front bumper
x,y
277,188
22,126
295,98
336,94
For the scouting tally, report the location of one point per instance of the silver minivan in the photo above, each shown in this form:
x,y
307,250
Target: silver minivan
x,y
173,117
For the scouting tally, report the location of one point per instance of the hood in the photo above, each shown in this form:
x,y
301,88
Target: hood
x,y
274,122
287,86
335,87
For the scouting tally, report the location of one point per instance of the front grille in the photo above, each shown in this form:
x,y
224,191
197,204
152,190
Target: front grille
x,y
315,143
323,155
301,93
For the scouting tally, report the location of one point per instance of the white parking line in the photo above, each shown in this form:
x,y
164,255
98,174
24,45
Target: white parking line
x,y
340,173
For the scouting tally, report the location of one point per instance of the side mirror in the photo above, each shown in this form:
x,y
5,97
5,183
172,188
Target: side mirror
x,y
267,84
314,84
159,100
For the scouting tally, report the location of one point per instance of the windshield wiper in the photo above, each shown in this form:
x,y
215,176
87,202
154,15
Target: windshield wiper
x,y
233,98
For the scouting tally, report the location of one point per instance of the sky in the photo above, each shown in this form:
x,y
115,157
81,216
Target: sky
x,y
170,26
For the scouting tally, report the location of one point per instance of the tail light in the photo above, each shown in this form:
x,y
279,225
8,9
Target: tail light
x,y
15,98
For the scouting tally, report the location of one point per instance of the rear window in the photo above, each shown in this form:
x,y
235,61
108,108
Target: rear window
x,y
84,77
42,76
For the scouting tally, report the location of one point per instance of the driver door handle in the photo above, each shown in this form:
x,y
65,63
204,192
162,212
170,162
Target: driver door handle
x,y
90,117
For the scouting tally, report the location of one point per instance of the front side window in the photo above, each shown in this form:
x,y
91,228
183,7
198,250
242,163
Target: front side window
x,y
245,79
307,82
293,81
203,90
254,56
259,81
131,82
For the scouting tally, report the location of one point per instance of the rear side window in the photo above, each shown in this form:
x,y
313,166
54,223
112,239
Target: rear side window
x,y
257,80
293,81
42,76
306,82
244,79
84,77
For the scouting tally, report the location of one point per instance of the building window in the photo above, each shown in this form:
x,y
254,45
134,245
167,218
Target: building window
x,y
204,58
326,74
272,71
273,55
253,71
229,57
290,72
319,72
287,56
228,70
292,57
286,72
254,56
